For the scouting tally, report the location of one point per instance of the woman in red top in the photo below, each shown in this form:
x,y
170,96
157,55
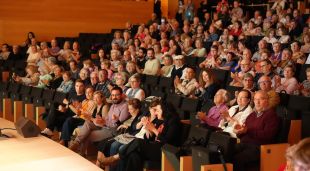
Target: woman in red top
x,y
221,4
236,29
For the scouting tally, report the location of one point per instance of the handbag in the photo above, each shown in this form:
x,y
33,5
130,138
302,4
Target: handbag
x,y
124,138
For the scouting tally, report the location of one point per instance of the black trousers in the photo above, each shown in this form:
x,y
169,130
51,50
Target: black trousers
x,y
68,127
136,152
246,156
56,118
105,145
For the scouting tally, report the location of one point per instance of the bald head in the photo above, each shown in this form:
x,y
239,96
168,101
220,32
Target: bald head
x,y
264,83
261,101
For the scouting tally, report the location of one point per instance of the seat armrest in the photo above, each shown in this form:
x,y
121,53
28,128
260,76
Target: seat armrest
x,y
272,156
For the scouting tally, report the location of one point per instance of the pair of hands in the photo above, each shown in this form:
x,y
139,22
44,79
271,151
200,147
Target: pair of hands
x,y
240,129
224,113
177,81
148,125
98,120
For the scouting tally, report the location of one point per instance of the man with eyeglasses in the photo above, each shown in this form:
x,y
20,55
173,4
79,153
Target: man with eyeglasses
x,y
260,127
266,68
246,67
103,82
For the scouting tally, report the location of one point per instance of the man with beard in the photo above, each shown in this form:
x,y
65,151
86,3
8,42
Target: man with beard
x,y
140,58
152,65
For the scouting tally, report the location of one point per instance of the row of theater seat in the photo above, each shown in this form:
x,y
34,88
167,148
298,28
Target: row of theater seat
x,y
31,95
17,92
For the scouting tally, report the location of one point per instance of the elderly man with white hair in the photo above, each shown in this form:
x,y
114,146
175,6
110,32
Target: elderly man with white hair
x,y
214,116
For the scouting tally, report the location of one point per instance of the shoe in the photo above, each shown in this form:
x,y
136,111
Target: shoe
x,y
74,146
107,161
47,132
62,142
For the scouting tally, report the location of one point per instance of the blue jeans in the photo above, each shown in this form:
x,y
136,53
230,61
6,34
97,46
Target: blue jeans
x,y
115,147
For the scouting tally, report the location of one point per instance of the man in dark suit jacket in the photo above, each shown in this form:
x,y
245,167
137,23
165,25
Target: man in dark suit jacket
x,y
179,66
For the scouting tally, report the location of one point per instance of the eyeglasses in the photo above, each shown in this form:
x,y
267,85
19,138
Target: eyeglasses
x,y
263,65
244,64
249,80
243,97
264,82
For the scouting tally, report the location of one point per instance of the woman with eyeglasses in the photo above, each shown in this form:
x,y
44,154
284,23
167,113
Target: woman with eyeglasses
x,y
236,114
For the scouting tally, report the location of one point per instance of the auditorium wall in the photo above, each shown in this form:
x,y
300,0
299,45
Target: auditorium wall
x,y
51,18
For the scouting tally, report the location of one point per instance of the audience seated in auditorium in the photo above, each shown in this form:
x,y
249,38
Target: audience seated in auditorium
x,y
31,78
84,76
76,55
83,111
44,78
58,114
66,84
214,116
211,58
179,66
65,53
43,50
207,85
186,84
133,126
150,149
74,70
245,67
55,82
305,85
34,56
167,66
135,91
54,49
260,127
5,53
33,42
200,51
152,65
103,82
97,120
120,80
94,79
236,115
227,37
27,42
288,83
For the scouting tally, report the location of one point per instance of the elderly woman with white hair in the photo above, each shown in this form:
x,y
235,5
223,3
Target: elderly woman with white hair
x,y
214,116
45,77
